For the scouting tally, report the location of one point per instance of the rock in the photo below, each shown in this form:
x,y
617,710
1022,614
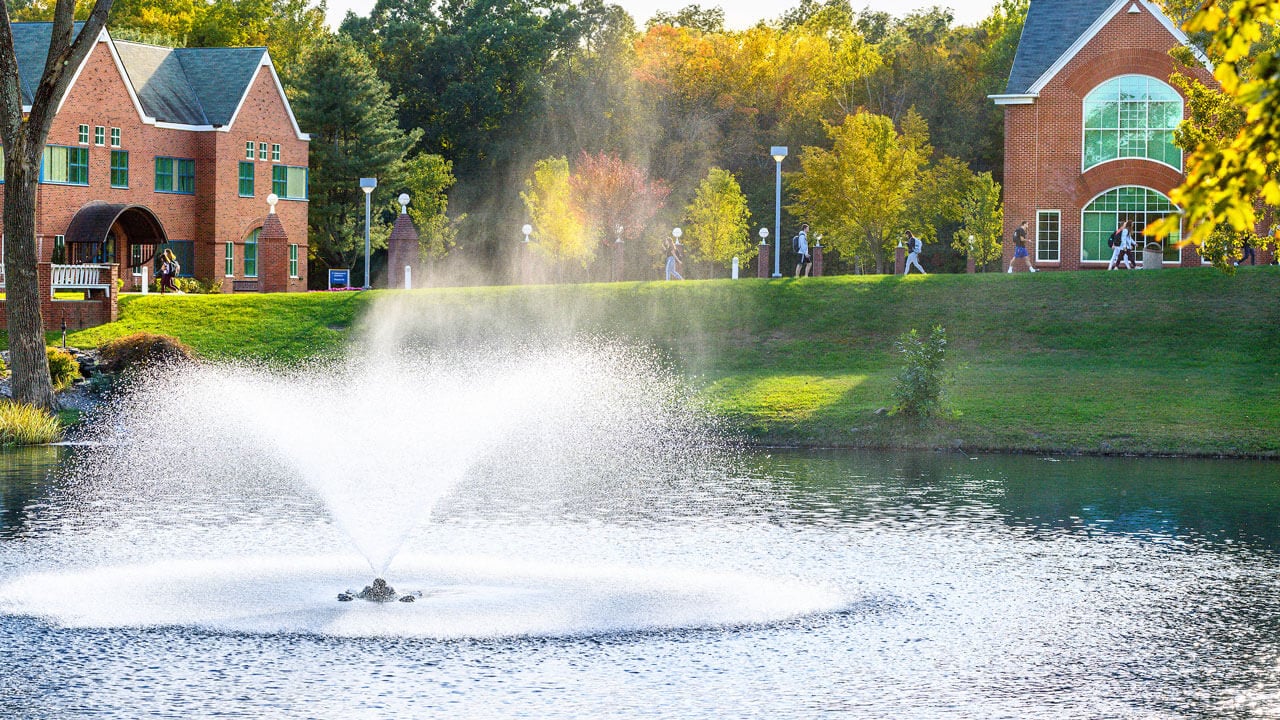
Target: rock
x,y
345,597
408,598
882,411
379,591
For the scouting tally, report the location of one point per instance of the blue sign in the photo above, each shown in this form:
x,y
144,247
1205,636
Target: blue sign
x,y
339,278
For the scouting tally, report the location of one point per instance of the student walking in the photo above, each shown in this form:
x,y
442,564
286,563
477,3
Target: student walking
x,y
674,261
914,246
169,269
1118,241
804,263
1020,247
1246,253
1129,249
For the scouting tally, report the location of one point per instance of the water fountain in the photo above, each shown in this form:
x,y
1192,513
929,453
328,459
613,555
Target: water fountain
x,y
229,496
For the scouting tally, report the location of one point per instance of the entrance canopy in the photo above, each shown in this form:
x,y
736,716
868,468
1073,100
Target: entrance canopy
x,y
94,222
100,230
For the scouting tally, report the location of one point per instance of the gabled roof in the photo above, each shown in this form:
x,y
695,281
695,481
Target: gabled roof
x,y
195,88
1056,30
1051,27
31,45
161,84
221,77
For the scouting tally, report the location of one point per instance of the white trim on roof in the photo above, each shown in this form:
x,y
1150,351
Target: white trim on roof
x,y
124,75
266,62
102,37
1106,17
1014,99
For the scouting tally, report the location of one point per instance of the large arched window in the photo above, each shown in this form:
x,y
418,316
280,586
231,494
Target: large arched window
x,y
1132,116
1140,206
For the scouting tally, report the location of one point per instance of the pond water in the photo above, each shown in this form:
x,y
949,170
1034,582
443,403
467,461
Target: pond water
x,y
819,584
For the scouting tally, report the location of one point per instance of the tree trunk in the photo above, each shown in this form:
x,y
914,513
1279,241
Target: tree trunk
x,y
30,382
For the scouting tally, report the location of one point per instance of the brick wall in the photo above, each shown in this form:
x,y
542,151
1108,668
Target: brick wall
x,y
215,214
1044,140
98,308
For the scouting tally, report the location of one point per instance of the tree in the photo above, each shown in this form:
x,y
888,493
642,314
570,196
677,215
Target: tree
x,y
427,179
695,17
612,193
162,22
23,139
859,189
981,216
1224,178
352,121
716,221
287,28
558,225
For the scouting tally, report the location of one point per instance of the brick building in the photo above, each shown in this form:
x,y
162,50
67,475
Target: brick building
x,y
156,148
1089,120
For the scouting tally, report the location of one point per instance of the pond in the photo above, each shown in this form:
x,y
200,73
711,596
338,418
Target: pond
x,y
817,584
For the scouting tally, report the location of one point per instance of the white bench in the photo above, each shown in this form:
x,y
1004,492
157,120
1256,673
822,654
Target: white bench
x,y
80,277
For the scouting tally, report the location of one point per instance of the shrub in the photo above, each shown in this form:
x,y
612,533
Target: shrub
x,y
4,368
27,425
190,286
142,348
919,388
64,369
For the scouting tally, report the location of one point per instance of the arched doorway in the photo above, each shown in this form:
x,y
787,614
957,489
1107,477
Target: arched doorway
x,y
109,233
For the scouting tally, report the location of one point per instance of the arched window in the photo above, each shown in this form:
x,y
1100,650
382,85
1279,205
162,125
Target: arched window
x,y
251,254
1140,206
1132,116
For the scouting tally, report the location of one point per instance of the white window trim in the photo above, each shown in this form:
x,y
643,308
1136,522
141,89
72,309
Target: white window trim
x,y
115,137
1084,131
229,250
294,260
1037,238
1084,208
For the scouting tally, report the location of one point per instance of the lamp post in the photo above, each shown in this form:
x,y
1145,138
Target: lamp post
x,y
527,230
762,257
367,185
618,256
779,152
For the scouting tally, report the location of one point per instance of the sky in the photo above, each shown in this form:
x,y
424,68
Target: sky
x,y
739,14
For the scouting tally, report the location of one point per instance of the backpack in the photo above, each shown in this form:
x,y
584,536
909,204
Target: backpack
x,y
795,244
1114,240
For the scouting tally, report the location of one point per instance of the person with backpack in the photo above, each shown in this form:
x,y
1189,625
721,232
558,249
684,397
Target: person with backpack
x,y
1117,242
800,246
914,246
169,269
1020,247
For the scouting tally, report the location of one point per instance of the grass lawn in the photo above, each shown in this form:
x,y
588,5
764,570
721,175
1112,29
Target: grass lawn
x,y
1175,361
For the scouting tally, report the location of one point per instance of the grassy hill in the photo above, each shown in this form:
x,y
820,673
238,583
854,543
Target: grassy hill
x,y
1175,361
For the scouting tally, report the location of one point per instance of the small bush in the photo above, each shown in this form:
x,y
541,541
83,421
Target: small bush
x,y
64,369
4,368
142,348
919,388
27,425
190,286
